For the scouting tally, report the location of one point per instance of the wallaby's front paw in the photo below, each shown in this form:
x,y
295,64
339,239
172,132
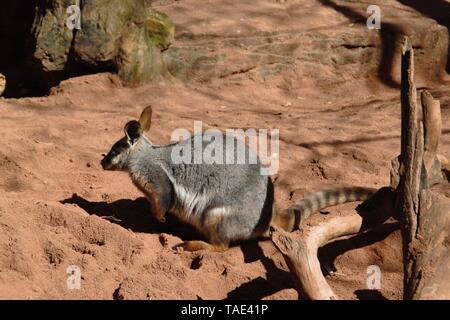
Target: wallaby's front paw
x,y
157,214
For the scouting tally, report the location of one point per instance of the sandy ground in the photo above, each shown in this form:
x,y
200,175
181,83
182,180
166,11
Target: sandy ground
x,y
58,208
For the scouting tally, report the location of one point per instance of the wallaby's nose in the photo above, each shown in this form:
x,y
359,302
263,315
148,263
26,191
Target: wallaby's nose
x,y
103,162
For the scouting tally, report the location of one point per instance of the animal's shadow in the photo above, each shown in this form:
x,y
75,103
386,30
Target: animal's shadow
x,y
327,254
134,215
258,288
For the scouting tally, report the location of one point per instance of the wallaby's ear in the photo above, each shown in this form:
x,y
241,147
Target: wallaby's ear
x,y
146,119
133,131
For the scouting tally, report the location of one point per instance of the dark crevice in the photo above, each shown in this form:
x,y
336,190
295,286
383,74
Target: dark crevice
x,y
241,71
196,263
354,46
16,20
23,72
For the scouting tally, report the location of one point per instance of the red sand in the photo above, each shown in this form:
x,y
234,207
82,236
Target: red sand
x,y
344,133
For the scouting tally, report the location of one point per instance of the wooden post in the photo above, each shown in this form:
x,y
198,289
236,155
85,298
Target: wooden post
x,y
424,215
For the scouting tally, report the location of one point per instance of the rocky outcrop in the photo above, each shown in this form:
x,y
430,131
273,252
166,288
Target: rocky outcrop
x,y
325,40
121,35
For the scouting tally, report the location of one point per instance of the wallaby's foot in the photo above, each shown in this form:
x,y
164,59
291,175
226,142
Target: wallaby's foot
x,y
196,245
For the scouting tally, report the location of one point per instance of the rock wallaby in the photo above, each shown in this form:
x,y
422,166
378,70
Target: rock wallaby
x,y
224,202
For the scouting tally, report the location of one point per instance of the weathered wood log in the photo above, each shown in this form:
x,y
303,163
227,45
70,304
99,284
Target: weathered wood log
x,y
424,214
301,255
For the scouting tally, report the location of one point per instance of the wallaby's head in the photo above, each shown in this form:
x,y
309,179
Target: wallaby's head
x,y
117,157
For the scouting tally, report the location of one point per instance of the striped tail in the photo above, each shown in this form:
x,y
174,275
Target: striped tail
x,y
291,218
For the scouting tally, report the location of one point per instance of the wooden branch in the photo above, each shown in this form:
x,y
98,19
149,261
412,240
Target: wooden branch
x,y
302,257
424,215
411,154
431,109
301,253
432,121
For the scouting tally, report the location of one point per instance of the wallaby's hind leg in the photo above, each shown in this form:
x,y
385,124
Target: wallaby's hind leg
x,y
195,245
216,243
214,219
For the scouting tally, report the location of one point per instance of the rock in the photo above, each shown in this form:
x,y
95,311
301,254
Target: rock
x,y
53,38
2,84
121,35
344,50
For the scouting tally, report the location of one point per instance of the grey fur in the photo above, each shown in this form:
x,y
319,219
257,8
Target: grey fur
x,y
200,193
225,202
